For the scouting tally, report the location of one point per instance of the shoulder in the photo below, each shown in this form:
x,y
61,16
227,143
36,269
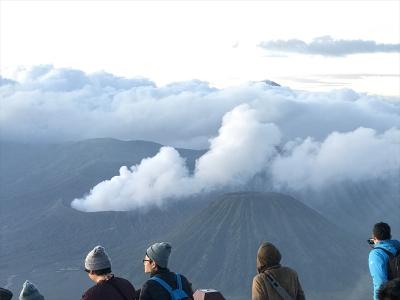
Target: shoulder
x,y
288,271
123,282
259,278
147,283
184,278
92,292
377,254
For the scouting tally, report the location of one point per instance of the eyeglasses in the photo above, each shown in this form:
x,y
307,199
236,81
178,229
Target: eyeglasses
x,y
149,260
86,270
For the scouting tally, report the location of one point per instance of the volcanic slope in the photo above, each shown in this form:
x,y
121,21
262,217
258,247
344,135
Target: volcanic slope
x,y
217,248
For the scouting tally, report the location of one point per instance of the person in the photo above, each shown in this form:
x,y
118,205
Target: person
x,y
98,267
5,294
390,290
156,264
378,259
268,264
30,292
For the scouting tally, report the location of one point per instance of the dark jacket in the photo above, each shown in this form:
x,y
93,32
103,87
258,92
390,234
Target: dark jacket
x,y
108,289
152,290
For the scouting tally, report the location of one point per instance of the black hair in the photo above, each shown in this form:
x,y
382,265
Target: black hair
x,y
161,268
390,290
100,272
381,231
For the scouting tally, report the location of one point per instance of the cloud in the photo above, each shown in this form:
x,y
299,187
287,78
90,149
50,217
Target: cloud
x,y
242,148
327,46
154,180
5,81
244,145
324,137
355,156
47,104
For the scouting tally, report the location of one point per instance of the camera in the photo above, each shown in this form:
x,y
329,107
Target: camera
x,y
370,241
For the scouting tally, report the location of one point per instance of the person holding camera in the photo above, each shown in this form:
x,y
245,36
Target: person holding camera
x,y
384,248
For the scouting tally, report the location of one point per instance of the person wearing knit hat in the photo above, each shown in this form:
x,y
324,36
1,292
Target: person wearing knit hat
x,y
269,268
97,259
5,294
98,267
30,292
162,280
159,252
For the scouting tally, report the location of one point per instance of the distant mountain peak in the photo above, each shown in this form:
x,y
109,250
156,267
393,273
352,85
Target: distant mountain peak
x,y
270,82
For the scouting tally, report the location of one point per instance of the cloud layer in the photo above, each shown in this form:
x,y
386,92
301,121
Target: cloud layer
x,y
54,105
328,46
255,133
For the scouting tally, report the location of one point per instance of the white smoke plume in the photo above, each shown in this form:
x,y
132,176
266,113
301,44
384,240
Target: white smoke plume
x,y
354,156
244,145
155,179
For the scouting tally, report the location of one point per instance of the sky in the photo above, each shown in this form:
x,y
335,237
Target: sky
x,y
224,43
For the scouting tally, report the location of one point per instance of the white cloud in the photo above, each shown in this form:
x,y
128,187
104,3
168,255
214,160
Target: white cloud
x,y
355,156
242,148
154,180
327,46
48,104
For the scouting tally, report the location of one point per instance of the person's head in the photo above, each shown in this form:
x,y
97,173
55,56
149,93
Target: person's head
x,y
381,232
97,264
390,290
5,294
156,257
30,292
267,256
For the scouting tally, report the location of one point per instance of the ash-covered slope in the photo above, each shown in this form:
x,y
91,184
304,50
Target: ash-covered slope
x,y
217,248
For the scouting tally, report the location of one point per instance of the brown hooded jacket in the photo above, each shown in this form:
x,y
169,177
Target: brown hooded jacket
x,y
268,261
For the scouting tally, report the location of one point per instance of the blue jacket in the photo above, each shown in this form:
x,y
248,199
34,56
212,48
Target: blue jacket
x,y
378,262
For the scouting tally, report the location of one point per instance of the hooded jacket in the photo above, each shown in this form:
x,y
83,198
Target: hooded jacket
x,y
268,261
378,262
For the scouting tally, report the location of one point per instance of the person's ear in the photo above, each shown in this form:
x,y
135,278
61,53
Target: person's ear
x,y
153,265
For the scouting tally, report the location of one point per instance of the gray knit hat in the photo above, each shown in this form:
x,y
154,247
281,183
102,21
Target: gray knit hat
x,y
30,292
159,252
97,259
